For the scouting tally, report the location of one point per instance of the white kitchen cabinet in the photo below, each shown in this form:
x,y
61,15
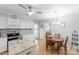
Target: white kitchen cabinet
x,y
19,23
3,44
29,24
22,24
2,22
26,24
12,23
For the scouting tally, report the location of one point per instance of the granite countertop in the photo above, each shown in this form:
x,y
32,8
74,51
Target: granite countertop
x,y
15,47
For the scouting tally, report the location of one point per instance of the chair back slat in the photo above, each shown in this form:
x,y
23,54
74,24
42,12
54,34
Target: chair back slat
x,y
66,40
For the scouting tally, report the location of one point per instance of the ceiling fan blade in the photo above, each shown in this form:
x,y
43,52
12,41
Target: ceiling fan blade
x,y
22,6
29,9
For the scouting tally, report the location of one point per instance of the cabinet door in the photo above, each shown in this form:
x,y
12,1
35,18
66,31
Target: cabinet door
x,y
22,24
2,22
12,23
3,44
29,24
26,24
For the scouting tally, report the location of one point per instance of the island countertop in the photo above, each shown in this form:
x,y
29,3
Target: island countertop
x,y
16,47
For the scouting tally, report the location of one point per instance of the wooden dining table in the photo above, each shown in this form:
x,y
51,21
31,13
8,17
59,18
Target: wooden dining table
x,y
57,40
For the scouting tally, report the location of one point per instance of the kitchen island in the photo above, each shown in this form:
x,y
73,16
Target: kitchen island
x,y
21,47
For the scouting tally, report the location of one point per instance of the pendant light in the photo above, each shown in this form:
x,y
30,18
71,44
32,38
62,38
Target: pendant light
x,y
56,17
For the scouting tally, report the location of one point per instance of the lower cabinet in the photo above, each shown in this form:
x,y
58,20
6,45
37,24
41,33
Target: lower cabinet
x,y
3,44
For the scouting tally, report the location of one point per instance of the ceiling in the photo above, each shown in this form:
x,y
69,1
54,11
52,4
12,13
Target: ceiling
x,y
47,9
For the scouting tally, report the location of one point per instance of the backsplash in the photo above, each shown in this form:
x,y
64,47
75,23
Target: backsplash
x,y
26,32
3,33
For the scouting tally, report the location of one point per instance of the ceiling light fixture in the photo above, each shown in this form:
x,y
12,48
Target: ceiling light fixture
x,y
30,13
56,18
14,16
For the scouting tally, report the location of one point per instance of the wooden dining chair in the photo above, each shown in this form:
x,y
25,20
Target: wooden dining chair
x,y
57,35
49,43
64,45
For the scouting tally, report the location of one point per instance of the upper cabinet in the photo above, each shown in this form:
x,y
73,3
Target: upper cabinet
x,y
2,22
26,24
12,23
15,23
22,24
29,24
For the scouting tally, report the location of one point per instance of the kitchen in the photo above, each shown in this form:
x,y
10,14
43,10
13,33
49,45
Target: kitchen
x,y
23,27
11,28
17,29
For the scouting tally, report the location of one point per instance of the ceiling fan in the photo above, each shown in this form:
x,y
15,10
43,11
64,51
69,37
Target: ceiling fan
x,y
30,10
